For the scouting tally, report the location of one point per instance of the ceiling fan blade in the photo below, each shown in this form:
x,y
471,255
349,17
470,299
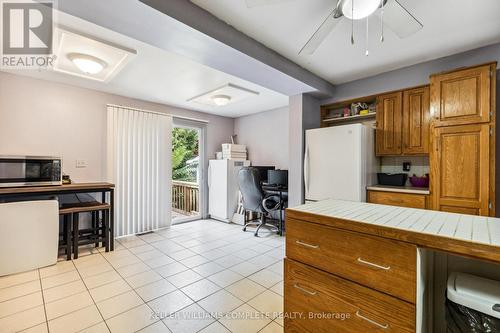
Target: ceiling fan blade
x,y
257,3
323,31
400,20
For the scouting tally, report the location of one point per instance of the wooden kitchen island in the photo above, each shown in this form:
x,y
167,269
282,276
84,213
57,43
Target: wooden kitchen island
x,y
360,267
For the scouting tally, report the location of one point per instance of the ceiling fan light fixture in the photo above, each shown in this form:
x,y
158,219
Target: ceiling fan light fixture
x,y
361,10
221,100
86,63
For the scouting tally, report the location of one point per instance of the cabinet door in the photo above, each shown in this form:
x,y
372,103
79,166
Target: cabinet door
x,y
461,97
460,164
389,122
416,121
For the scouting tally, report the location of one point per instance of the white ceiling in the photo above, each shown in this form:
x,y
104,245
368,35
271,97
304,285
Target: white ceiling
x,y
450,26
159,76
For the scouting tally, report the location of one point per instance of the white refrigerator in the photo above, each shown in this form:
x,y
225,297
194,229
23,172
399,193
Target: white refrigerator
x,y
339,162
223,188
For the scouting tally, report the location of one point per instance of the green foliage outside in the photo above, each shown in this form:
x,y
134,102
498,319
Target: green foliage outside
x,y
184,148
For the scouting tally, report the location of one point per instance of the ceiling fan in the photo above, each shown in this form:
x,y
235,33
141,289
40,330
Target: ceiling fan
x,y
391,12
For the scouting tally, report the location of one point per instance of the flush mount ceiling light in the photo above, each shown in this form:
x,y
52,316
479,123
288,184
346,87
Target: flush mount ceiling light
x,y
87,64
221,100
359,9
222,96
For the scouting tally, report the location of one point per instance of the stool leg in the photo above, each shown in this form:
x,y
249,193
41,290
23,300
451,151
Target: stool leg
x,y
95,218
106,229
75,235
67,234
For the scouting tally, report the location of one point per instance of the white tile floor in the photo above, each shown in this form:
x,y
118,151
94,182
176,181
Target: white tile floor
x,y
203,276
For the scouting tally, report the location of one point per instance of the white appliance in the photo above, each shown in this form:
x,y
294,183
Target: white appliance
x,y
30,235
223,188
339,162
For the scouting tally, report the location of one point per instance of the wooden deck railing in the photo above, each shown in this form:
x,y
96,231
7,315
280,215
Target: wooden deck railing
x,y
185,197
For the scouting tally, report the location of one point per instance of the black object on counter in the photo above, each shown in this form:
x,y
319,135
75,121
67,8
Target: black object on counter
x,y
392,179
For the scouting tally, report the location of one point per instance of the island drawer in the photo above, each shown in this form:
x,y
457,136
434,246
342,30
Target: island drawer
x,y
398,199
320,302
379,263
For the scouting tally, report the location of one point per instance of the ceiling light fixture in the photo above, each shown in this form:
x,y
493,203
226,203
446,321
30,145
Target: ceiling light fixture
x,y
86,63
221,100
359,9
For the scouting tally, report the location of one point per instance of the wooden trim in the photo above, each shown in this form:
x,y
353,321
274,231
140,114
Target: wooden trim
x,y
368,98
58,188
493,125
465,67
433,242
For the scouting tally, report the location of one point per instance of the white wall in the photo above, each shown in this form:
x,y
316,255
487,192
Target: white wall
x,y
44,118
266,137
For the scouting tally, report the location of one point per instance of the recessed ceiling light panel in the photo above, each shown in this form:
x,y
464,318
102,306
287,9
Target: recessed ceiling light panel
x,y
89,57
227,94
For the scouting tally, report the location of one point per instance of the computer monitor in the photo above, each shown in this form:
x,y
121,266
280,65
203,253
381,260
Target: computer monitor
x,y
263,172
278,177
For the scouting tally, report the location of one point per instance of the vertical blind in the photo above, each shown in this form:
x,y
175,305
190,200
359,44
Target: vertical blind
x,y
139,164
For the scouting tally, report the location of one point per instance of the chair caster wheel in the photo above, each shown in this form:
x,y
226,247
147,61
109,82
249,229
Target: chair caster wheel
x,y
256,235
245,229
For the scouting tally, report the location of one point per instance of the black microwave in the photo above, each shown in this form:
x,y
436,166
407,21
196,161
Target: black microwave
x,y
18,171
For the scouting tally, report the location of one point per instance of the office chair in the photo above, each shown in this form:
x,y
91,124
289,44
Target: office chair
x,y
255,200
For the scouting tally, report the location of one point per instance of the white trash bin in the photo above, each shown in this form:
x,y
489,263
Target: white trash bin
x,y
473,304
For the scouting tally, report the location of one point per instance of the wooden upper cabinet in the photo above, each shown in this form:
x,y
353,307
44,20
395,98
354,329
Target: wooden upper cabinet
x,y
416,121
462,97
460,168
389,124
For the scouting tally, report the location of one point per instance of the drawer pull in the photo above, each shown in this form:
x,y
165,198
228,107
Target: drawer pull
x,y
496,307
386,326
312,293
307,245
385,268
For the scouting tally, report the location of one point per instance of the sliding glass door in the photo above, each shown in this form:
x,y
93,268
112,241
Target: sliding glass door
x,y
187,171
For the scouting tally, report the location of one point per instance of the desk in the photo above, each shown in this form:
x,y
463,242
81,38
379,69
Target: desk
x,y
103,188
280,190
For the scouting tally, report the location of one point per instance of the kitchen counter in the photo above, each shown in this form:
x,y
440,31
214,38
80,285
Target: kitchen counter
x,y
399,189
467,235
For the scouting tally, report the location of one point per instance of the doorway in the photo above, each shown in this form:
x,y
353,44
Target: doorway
x,y
187,171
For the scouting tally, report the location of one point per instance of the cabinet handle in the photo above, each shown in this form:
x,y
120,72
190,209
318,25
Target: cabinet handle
x,y
307,245
385,326
385,268
496,307
399,201
312,293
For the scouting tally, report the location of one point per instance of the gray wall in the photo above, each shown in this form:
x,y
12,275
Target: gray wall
x,y
44,118
266,137
304,115
413,75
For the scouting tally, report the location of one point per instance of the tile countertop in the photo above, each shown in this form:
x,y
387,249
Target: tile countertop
x,y
399,189
473,236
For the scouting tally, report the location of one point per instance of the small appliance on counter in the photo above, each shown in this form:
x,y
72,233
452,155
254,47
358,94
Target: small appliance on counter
x,y
66,180
16,171
392,179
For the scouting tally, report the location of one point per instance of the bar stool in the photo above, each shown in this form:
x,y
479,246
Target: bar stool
x,y
66,235
98,232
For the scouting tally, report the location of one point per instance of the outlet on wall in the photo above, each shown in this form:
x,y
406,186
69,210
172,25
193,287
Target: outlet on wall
x,y
81,164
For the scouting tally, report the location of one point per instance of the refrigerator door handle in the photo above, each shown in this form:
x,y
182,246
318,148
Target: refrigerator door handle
x,y
209,178
306,169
